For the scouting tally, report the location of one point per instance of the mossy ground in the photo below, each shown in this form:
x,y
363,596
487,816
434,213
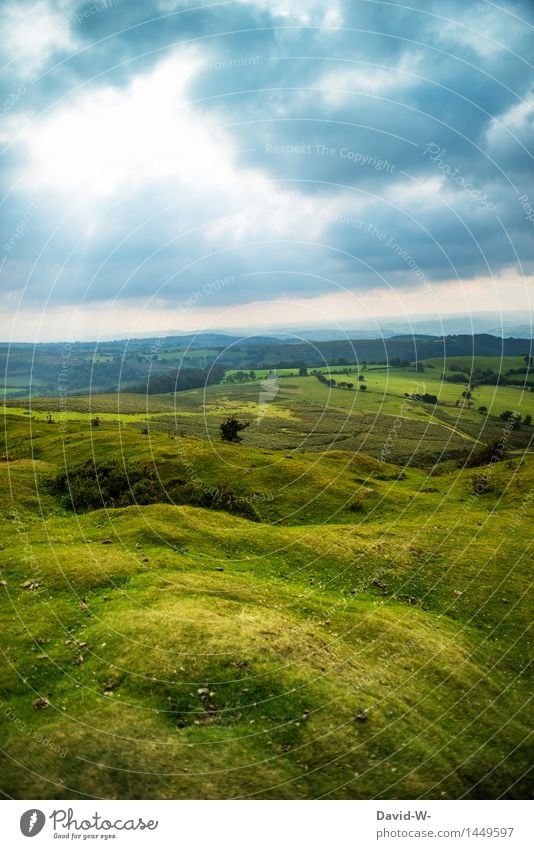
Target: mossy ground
x,y
366,637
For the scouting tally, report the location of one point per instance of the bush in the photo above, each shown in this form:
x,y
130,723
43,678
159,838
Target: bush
x,y
91,486
494,452
111,484
512,419
425,397
222,498
480,484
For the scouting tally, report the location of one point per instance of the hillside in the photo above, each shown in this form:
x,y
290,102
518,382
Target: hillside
x,y
82,367
362,634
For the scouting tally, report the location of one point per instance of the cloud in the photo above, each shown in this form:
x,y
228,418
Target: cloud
x,y
171,143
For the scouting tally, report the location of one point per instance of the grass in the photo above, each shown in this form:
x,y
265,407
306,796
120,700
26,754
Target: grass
x,y
367,638
305,415
498,364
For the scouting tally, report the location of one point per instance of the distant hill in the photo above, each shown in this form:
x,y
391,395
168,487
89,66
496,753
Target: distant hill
x,y
410,348
86,367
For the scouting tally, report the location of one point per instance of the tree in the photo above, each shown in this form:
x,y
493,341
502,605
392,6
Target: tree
x,y
482,409
95,422
527,420
363,387
361,378
303,371
230,429
511,418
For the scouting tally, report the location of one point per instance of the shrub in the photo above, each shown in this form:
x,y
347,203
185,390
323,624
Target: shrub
x,y
425,397
222,498
91,486
111,484
512,419
480,484
494,452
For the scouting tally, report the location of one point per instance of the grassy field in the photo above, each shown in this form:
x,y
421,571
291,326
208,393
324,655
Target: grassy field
x,y
302,414
363,633
501,365
353,368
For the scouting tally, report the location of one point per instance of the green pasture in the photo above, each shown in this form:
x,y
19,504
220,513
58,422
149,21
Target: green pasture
x,y
363,636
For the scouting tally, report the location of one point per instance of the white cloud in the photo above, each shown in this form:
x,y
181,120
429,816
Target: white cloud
x,y
31,37
150,137
480,31
110,138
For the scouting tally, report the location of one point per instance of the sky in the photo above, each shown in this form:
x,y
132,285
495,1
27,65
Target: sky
x,y
180,166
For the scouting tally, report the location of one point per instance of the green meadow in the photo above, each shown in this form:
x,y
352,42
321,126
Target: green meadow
x,y
327,610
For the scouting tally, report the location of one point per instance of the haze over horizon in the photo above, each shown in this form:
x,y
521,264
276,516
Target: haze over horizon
x,y
263,164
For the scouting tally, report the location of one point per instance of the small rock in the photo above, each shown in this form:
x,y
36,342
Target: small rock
x,y
3,583
361,716
29,585
219,568
40,704
106,542
380,584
